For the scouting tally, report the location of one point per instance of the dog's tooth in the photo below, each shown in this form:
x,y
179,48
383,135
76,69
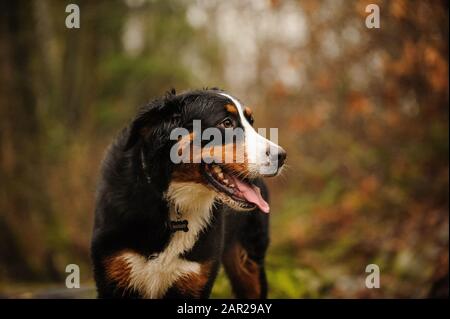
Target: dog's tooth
x,y
232,185
225,181
220,175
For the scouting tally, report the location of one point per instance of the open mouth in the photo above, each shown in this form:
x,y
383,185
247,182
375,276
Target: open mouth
x,y
238,193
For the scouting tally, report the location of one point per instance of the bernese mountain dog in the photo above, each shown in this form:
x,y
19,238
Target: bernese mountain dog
x,y
163,228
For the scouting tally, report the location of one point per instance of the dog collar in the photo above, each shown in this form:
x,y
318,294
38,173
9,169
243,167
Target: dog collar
x,y
179,224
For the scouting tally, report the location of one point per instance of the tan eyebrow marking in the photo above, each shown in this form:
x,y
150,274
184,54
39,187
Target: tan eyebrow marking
x,y
231,108
247,111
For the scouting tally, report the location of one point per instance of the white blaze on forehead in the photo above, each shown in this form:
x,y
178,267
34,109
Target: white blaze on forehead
x,y
253,141
255,144
239,107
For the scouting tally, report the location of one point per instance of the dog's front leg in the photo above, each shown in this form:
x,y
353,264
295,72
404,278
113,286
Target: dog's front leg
x,y
194,285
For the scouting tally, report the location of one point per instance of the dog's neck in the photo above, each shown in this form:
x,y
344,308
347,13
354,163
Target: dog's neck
x,y
153,276
192,202
195,203
190,198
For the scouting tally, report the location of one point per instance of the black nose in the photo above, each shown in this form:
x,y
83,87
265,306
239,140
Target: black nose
x,y
281,157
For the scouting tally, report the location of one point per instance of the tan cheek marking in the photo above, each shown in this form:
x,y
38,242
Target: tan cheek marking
x,y
193,284
118,269
240,169
184,143
239,164
189,172
232,156
231,108
228,152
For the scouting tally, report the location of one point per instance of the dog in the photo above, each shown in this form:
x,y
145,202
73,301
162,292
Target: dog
x,y
162,229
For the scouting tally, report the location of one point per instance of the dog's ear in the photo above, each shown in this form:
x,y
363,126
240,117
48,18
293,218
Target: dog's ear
x,y
155,119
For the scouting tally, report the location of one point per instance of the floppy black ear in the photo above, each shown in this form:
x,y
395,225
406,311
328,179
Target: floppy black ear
x,y
139,127
155,118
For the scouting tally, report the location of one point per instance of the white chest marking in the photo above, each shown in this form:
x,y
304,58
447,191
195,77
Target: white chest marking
x,y
152,278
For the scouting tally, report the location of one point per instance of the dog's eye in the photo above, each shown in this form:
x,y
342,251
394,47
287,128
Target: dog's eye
x,y
251,120
227,123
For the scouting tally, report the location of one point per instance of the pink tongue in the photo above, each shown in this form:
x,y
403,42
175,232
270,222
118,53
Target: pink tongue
x,y
252,194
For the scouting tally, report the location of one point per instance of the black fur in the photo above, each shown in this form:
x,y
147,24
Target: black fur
x,y
132,213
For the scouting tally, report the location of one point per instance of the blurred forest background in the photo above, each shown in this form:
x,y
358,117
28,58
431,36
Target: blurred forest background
x,y
362,113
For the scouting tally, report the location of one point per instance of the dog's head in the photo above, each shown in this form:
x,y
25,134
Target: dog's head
x,y
205,140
